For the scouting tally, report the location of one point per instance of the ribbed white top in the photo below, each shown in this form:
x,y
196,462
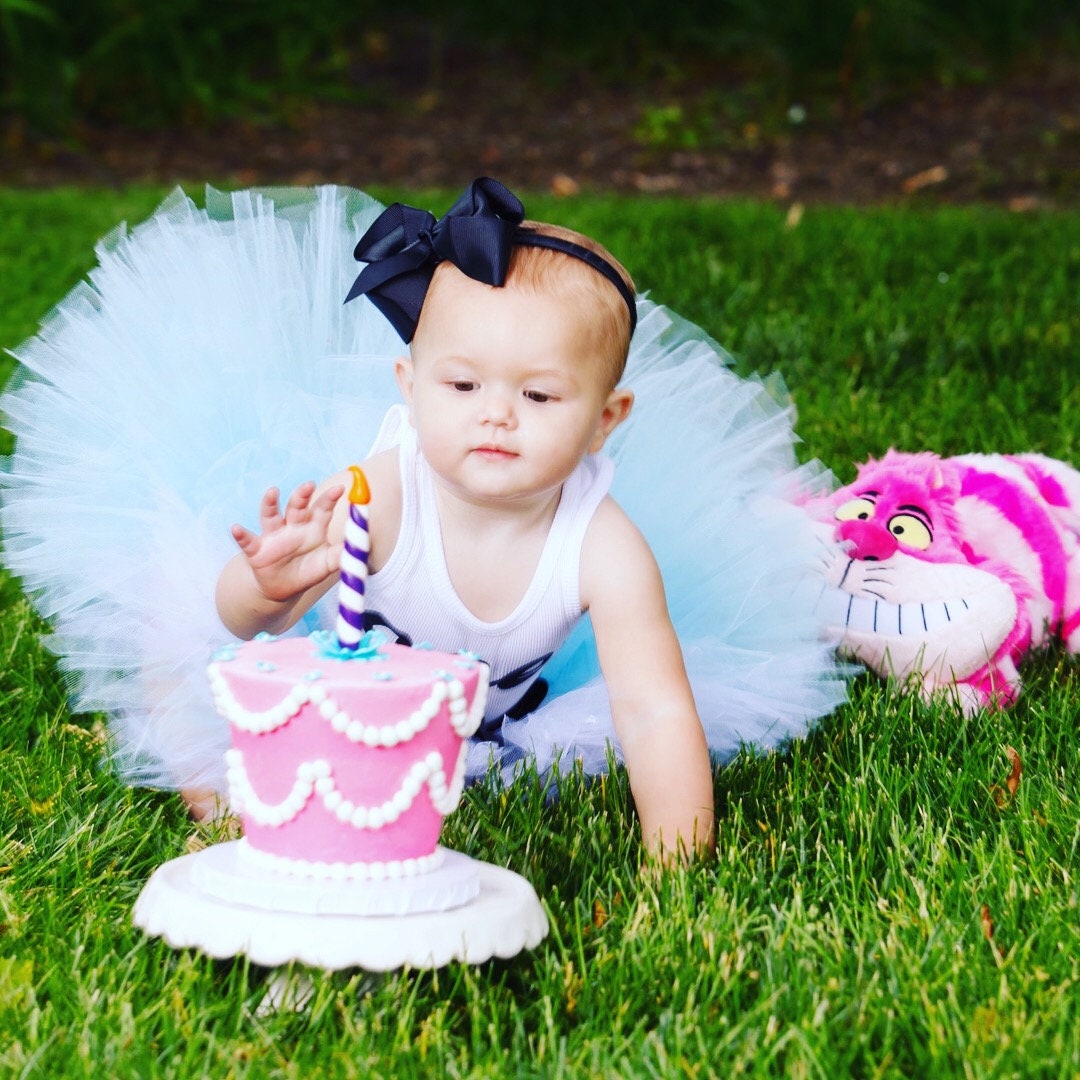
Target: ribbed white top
x,y
413,591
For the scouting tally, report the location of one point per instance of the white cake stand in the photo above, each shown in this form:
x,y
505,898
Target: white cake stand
x,y
188,903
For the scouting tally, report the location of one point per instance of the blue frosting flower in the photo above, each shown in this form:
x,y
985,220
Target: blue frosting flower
x,y
367,648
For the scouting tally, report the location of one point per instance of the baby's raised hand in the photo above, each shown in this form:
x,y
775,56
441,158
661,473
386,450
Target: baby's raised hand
x,y
292,551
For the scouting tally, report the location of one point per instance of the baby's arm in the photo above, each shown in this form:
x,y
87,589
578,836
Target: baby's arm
x,y
652,705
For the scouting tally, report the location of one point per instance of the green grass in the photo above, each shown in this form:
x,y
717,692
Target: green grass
x,y
880,905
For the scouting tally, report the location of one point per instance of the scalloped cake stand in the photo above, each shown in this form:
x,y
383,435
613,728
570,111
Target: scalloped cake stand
x,y
212,901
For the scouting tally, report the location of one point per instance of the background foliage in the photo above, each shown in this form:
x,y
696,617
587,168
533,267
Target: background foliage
x,y
146,61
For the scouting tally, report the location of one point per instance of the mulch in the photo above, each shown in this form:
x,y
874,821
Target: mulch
x,y
1014,143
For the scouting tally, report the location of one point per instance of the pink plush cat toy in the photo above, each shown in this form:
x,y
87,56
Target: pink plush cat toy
x,y
951,568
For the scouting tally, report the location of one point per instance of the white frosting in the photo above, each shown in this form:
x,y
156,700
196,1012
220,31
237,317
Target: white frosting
x,y
341,871
463,719
315,779
465,723
447,803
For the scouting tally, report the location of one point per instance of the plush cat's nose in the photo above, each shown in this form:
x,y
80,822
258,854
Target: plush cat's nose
x,y
867,540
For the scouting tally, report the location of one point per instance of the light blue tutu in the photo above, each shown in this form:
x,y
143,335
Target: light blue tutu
x,y
210,356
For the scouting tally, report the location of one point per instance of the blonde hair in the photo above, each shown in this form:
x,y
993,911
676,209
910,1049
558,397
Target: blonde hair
x,y
598,302
584,290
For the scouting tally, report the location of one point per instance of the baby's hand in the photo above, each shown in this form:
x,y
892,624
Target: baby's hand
x,y
292,552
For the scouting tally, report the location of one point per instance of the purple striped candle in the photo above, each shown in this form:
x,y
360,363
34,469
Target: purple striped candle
x,y
354,564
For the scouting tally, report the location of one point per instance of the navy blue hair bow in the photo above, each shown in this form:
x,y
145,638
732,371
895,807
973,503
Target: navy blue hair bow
x,y
404,245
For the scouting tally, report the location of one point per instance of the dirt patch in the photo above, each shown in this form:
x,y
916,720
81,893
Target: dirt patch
x,y
1014,143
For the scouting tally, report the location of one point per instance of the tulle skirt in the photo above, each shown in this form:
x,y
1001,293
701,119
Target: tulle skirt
x,y
209,356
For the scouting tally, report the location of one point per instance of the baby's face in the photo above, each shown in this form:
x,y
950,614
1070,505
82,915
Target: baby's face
x,y
506,390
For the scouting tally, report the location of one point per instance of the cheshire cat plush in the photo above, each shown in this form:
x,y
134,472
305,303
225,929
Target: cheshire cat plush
x,y
950,569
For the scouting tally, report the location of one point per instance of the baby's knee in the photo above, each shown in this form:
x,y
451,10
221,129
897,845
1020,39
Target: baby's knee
x,y
204,803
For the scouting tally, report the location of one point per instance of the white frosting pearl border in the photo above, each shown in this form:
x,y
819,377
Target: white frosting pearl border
x,y
341,871
463,719
315,779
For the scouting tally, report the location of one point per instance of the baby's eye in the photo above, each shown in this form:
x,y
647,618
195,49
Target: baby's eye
x,y
537,396
463,385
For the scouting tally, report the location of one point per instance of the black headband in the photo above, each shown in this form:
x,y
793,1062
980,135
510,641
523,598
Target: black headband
x,y
404,245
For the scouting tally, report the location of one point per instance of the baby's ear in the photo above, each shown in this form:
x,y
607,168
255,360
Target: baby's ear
x,y
403,372
616,410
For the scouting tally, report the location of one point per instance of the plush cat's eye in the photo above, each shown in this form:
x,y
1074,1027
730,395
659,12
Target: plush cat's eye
x,y
855,510
911,531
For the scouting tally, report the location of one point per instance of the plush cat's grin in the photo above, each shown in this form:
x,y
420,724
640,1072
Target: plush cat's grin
x,y
905,616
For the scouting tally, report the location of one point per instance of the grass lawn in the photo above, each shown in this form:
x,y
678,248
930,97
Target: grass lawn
x,y
882,903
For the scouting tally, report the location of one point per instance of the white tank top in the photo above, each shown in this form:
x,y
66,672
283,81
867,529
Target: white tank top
x,y
412,594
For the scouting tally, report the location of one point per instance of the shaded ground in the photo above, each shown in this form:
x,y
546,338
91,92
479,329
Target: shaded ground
x,y
1014,143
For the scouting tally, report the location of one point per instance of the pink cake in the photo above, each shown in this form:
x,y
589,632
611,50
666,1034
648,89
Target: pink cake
x,y
342,768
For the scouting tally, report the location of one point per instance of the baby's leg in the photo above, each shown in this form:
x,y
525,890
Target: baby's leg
x,y
204,804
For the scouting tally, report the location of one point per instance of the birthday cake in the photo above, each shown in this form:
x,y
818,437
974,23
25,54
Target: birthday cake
x,y
347,753
344,761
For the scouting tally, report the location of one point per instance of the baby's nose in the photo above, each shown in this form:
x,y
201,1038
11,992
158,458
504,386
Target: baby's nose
x,y
498,407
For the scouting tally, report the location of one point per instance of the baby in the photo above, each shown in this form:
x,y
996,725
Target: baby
x,y
490,524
